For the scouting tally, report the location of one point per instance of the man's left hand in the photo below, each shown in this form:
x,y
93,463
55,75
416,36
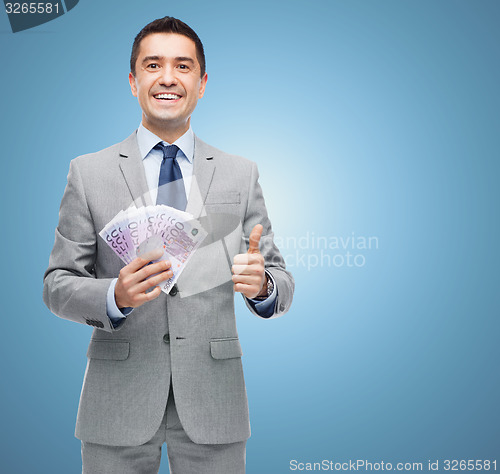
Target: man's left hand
x,y
249,276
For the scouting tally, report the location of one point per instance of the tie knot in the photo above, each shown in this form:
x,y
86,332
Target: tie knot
x,y
169,151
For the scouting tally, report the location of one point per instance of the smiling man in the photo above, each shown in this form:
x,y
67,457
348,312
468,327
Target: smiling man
x,y
168,79
165,368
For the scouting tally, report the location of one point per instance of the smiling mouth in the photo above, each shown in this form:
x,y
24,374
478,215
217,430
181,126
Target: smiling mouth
x,y
167,96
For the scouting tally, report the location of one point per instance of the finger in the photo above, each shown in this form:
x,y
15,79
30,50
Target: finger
x,y
248,290
241,287
139,262
254,280
240,269
148,270
151,295
255,268
248,259
143,273
241,259
153,281
255,238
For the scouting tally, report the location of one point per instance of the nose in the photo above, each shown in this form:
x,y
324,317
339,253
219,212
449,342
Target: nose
x,y
168,77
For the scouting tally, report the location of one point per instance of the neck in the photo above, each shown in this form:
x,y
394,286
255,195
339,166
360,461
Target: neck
x,y
167,134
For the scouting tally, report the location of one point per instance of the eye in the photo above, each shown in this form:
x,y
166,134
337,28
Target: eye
x,y
183,67
153,66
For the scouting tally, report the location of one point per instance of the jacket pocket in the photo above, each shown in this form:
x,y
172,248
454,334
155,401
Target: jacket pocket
x,y
223,198
108,349
229,348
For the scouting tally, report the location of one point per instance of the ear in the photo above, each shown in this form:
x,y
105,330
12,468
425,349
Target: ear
x,y
203,85
133,85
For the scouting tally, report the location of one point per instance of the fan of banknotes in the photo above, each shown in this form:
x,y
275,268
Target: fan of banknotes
x,y
137,231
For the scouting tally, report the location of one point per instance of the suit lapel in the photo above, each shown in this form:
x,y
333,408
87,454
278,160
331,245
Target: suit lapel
x,y
133,171
203,171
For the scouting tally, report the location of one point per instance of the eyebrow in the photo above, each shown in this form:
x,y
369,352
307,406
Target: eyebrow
x,y
159,58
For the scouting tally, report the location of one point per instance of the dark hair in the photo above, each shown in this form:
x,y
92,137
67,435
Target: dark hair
x,y
168,24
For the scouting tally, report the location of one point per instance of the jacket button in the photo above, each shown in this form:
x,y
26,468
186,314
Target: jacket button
x,y
174,291
166,338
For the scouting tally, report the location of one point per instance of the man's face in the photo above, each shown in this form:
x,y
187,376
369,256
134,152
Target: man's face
x,y
167,82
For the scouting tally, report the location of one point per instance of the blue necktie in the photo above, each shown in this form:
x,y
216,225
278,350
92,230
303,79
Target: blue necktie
x,y
171,191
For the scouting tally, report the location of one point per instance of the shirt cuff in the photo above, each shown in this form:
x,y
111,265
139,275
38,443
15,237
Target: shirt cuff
x,y
115,315
265,308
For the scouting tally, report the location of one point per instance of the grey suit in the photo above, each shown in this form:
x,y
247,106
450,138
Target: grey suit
x,y
189,337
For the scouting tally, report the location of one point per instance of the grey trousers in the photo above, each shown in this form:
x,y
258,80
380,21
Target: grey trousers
x,y
184,456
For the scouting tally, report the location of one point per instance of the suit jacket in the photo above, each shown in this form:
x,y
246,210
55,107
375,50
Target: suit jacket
x,y
188,336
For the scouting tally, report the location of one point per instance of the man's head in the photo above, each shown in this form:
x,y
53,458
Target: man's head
x,y
168,24
167,76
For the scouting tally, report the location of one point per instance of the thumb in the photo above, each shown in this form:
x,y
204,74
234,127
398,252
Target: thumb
x,y
255,238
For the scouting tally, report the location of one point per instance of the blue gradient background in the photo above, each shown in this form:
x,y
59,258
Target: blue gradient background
x,y
378,118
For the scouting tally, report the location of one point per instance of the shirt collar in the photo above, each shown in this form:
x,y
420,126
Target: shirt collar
x,y
147,141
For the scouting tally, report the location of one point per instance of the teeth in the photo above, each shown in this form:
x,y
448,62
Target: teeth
x,y
167,96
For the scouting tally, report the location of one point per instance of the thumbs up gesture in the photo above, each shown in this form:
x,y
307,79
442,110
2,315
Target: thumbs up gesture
x,y
249,276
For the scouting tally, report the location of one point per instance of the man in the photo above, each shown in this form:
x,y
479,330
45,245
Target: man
x,y
165,368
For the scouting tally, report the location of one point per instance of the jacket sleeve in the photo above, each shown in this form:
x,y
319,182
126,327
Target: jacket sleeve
x,y
71,289
256,213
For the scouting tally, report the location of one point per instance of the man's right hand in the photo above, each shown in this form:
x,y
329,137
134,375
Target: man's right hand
x,y
133,282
